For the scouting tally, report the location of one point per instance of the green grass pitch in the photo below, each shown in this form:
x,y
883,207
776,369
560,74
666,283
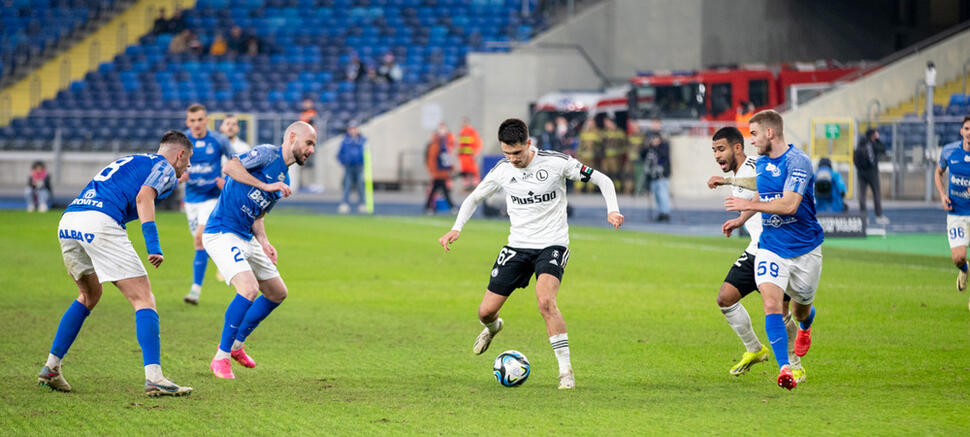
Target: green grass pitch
x,y
376,336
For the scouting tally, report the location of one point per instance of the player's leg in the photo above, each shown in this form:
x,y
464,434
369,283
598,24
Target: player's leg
x,y
488,316
959,236
772,275
89,293
798,371
274,292
738,283
549,266
805,271
198,217
247,288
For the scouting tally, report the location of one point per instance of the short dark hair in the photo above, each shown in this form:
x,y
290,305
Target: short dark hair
x,y
966,118
729,133
513,131
195,107
176,138
870,132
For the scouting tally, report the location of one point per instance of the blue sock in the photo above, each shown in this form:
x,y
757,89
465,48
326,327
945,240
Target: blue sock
x,y
963,268
778,336
199,265
808,322
260,309
146,327
234,317
67,330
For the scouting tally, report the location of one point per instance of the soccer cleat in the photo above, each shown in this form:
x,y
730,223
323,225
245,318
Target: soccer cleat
x,y
165,387
222,368
343,208
485,338
785,378
803,341
191,299
52,378
749,359
240,356
799,374
566,380
961,281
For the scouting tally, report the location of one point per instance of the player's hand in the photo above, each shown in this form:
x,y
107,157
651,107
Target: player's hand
x,y
729,226
184,177
615,219
155,259
715,181
220,182
278,186
446,240
736,204
270,251
947,206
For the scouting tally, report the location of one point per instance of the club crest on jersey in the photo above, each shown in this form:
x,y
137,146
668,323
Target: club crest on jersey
x,y
70,234
89,194
542,175
966,158
200,143
775,171
281,177
495,272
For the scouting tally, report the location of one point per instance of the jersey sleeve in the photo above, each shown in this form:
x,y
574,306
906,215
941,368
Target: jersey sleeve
x,y
943,157
577,171
226,146
162,179
258,156
799,172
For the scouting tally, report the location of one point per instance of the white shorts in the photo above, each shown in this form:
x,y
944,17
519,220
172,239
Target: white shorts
x,y
797,276
92,242
958,230
234,255
198,213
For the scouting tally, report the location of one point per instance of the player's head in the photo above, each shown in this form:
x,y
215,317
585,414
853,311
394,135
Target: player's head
x,y
965,130
177,148
513,135
229,126
728,148
196,120
766,128
300,138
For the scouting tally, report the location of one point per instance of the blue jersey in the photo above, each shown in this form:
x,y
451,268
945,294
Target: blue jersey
x,y
206,166
789,235
957,160
114,188
240,204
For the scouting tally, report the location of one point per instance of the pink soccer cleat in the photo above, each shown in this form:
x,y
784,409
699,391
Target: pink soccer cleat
x,y
786,379
222,368
241,358
803,341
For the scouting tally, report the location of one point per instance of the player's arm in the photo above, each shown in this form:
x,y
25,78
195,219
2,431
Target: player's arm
x,y
944,196
606,187
235,169
259,231
748,183
145,205
787,204
730,225
486,188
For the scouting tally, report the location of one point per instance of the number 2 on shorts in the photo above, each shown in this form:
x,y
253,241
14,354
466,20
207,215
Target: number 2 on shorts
x,y
237,254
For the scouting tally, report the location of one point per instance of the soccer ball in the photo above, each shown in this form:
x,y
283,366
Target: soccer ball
x,y
511,368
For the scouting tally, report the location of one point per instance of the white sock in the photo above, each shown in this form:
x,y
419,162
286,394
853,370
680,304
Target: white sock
x,y
236,345
792,328
221,355
560,345
740,322
492,326
53,361
196,290
153,372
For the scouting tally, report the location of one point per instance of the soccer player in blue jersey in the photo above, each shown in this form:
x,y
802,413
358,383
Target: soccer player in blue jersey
x,y
789,258
96,250
202,187
235,238
956,199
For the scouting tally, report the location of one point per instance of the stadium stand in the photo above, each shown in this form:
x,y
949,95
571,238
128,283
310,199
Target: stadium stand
x,y
304,49
950,104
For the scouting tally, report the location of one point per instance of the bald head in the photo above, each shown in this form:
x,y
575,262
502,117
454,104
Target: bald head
x,y
299,141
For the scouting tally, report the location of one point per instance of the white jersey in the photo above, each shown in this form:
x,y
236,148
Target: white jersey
x,y
239,146
753,225
535,197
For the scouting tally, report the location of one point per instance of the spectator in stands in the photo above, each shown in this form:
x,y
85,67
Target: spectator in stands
x,y
656,166
390,70
161,24
38,191
180,42
253,46
230,128
372,75
355,71
178,22
829,188
236,43
866,158
564,133
440,162
309,112
218,46
589,150
351,156
548,140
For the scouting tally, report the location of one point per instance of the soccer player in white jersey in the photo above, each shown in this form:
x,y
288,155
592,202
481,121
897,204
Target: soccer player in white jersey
x,y
230,128
535,186
96,249
789,258
955,157
728,147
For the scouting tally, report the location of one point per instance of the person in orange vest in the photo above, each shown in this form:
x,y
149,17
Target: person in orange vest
x,y
469,145
440,162
745,112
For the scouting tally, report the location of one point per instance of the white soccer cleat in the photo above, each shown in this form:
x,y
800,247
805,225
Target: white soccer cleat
x,y
567,381
343,208
191,299
165,387
961,281
362,208
53,379
485,338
